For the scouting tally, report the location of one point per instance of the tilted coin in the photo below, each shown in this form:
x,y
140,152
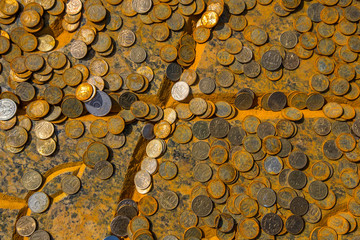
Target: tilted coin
x,y
46,147
219,127
318,190
70,184
7,109
119,225
173,71
38,202
207,85
142,6
31,180
288,39
271,60
25,226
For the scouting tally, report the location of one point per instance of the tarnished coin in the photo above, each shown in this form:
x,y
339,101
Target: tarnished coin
x,y
294,224
299,206
138,54
331,151
103,170
127,210
38,202
277,101
31,180
168,170
25,226
40,235
126,38
318,190
202,172
271,60
288,39
266,197
148,205
70,184
219,127
202,205
272,224
173,71
207,85
298,160
201,130
297,179
168,200
16,137
119,225
7,109
313,215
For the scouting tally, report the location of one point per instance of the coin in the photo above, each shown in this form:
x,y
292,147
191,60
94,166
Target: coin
x,y
71,107
169,200
25,226
96,152
40,234
78,49
318,190
31,180
25,91
180,91
142,179
202,205
148,205
126,38
271,60
168,170
298,160
16,137
38,202
70,184
294,224
100,105
103,170
46,147
277,101
272,224
297,179
173,71
207,85
44,130
266,197
219,127
299,206
119,225
331,151
8,109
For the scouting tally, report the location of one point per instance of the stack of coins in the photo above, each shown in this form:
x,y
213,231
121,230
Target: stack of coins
x,y
72,18
146,112
127,210
31,17
8,11
85,92
244,99
201,108
186,51
46,139
102,43
96,14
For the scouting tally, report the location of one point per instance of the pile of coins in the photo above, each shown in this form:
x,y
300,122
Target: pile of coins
x,y
143,63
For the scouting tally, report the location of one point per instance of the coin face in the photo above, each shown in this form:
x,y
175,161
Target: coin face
x,y
142,179
103,170
100,105
126,38
202,205
272,223
180,91
44,130
271,60
25,226
169,200
38,202
31,180
70,184
119,225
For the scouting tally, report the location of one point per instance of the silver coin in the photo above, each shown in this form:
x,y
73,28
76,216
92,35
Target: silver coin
x,y
78,49
7,109
142,6
149,164
266,197
180,91
273,165
38,202
155,148
100,105
137,54
126,38
142,179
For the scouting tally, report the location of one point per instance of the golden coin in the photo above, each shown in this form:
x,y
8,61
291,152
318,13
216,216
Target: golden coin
x,y
72,77
148,205
57,60
182,134
201,34
168,53
84,70
96,152
46,147
162,129
116,125
84,91
74,128
44,130
30,18
98,128
28,42
37,109
99,67
24,122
